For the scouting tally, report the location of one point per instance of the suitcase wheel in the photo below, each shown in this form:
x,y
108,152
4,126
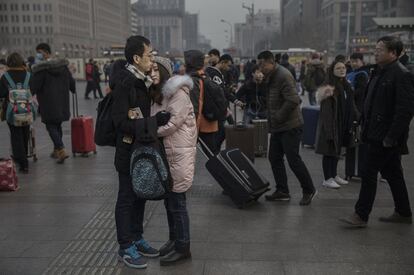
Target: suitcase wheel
x,y
74,154
95,152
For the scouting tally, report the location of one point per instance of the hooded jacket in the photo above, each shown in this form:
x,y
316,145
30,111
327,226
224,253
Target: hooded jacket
x,y
51,82
310,81
180,134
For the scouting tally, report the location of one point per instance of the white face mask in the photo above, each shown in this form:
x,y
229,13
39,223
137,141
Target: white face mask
x,y
39,57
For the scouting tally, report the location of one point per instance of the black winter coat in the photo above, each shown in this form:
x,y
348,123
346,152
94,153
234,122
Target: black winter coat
x,y
389,106
51,81
129,92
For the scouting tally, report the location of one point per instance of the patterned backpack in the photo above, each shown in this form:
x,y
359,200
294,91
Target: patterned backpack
x,y
21,110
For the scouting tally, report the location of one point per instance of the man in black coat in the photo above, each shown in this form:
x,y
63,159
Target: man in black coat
x,y
387,113
131,107
51,82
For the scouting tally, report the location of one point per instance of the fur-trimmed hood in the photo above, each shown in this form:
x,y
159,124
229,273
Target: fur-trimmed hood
x,y
323,92
53,66
175,83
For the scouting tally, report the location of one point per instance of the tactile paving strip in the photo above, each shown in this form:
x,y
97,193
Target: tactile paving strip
x,y
94,249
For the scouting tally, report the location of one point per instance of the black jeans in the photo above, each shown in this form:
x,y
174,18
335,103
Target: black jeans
x,y
129,213
221,135
312,97
287,143
387,161
56,134
210,139
329,166
178,221
97,87
90,86
19,141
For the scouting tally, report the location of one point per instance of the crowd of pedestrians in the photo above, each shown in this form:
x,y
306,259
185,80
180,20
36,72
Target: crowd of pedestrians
x,y
364,110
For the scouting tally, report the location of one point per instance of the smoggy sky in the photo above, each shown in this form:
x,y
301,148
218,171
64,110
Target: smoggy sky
x,y
212,11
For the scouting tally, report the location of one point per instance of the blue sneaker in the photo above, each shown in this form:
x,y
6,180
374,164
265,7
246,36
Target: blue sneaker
x,y
145,249
132,258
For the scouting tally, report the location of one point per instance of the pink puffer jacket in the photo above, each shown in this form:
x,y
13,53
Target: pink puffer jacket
x,y
180,134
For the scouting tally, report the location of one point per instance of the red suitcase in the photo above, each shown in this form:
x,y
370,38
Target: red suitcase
x,y
8,177
82,132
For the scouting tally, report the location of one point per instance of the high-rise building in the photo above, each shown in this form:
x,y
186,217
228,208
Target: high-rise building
x,y
190,31
162,22
81,28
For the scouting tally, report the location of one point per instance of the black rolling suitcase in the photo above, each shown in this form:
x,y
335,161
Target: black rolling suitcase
x,y
237,175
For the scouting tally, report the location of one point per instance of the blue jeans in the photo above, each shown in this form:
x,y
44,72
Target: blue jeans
x,y
178,221
56,134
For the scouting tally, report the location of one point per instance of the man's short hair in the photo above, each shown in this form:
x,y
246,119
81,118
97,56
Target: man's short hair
x,y
285,57
359,56
214,52
226,57
44,47
266,56
135,45
341,58
392,43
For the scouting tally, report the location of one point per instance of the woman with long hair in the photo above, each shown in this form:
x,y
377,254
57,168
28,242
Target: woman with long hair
x,y
337,113
17,73
179,139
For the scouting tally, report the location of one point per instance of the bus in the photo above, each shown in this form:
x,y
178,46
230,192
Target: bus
x,y
296,55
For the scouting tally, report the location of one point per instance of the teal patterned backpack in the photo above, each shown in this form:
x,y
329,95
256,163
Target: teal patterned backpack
x,y
21,111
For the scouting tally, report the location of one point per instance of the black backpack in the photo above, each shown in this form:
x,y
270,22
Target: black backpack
x,y
318,76
105,132
214,101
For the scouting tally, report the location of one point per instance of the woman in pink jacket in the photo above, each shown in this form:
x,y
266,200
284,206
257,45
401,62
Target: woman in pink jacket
x,y
179,138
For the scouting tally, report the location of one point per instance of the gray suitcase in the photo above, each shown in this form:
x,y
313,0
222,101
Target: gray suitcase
x,y
261,138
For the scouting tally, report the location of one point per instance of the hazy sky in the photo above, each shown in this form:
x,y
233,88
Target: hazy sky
x,y
212,11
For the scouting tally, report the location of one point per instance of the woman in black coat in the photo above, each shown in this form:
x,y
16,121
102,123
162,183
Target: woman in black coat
x,y
19,135
337,113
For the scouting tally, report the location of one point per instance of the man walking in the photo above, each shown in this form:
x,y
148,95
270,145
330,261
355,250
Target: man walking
x,y
51,82
285,126
314,77
387,113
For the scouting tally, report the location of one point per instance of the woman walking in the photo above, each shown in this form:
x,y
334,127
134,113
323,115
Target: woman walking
x,y
337,113
16,76
179,138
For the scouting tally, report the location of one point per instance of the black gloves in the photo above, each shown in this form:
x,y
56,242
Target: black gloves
x,y
162,118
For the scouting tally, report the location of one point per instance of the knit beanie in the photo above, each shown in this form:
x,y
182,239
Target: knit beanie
x,y
165,63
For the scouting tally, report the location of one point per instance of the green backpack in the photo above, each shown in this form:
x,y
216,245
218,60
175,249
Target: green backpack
x,y
21,111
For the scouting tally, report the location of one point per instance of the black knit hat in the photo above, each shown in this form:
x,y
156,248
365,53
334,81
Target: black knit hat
x,y
194,60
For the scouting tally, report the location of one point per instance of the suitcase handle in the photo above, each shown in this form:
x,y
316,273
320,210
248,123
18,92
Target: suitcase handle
x,y
75,105
201,144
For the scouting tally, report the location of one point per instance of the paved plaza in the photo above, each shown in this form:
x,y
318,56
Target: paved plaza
x,y
61,221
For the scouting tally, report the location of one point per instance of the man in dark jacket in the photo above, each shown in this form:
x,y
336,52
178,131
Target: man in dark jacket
x,y
89,75
285,125
131,108
51,82
284,61
388,111
314,77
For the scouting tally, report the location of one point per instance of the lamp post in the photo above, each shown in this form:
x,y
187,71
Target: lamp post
x,y
231,30
348,26
251,13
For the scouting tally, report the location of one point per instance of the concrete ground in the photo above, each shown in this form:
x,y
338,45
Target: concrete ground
x,y
61,221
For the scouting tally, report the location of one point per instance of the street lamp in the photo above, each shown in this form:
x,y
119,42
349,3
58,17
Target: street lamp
x,y
231,30
251,13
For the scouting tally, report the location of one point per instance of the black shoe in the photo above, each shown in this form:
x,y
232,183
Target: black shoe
x,y
167,248
24,170
174,257
354,221
278,196
396,218
307,198
87,98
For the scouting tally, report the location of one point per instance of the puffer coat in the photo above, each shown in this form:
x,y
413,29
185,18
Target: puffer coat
x,y
180,134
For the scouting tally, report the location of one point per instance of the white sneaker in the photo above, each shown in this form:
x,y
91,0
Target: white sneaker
x,y
340,180
331,183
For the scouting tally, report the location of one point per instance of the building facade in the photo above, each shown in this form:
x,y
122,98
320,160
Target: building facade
x,y
190,31
162,22
82,28
322,24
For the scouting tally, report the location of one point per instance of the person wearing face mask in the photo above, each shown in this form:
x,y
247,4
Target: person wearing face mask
x,y
131,110
253,95
387,113
179,139
51,83
337,113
